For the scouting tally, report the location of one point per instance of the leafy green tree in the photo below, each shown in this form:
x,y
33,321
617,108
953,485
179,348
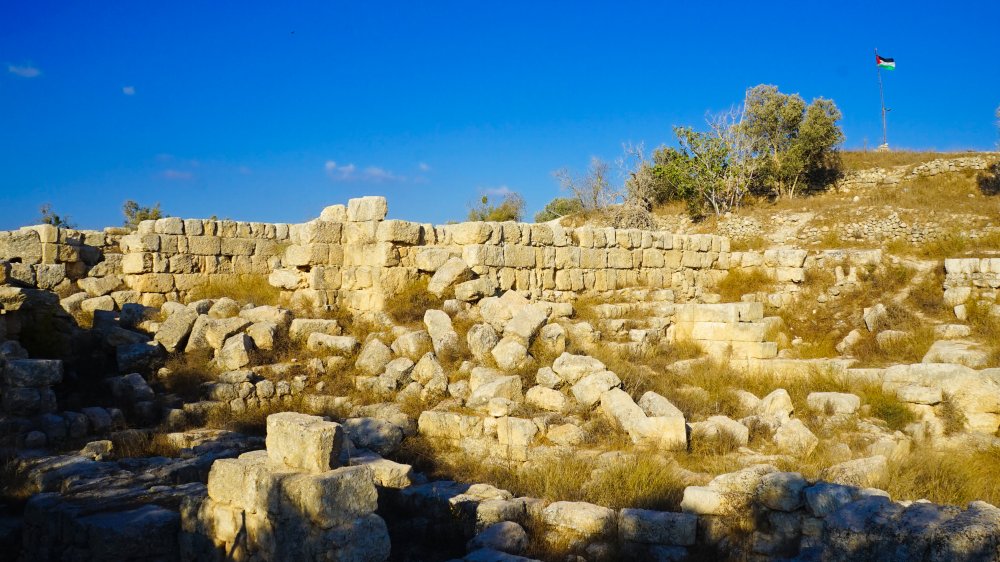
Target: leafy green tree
x,y
558,208
510,208
48,216
135,213
797,142
713,170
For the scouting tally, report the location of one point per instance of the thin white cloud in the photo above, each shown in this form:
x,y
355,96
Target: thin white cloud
x,y
501,191
129,90
244,170
26,70
350,172
177,175
424,167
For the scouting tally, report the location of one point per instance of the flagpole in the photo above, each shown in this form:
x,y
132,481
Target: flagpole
x,y
881,94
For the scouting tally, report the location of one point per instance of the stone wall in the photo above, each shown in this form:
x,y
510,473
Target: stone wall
x,y
352,256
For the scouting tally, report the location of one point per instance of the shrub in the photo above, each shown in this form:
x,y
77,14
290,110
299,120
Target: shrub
x,y
558,208
244,289
48,216
408,305
135,213
510,208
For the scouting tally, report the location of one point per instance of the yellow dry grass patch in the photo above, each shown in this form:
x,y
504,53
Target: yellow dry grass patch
x,y
948,477
743,281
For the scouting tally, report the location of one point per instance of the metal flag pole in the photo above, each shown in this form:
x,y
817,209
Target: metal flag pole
x,y
881,93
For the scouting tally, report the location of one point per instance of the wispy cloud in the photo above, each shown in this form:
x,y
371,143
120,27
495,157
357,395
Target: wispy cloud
x,y
129,90
244,170
26,70
180,175
350,172
501,191
424,167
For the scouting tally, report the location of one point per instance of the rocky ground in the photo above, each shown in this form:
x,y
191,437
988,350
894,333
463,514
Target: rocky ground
x,y
832,404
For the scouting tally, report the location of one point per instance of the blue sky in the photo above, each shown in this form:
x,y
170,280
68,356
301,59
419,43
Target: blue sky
x,y
255,111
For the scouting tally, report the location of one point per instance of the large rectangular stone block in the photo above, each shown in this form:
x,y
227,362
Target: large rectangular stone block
x,y
204,245
303,442
332,498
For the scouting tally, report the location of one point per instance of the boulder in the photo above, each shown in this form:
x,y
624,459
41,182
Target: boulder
x,y
442,333
300,328
375,434
657,527
235,353
337,345
505,536
303,442
174,331
508,387
875,316
138,356
525,324
589,389
370,208
263,334
581,519
373,358
794,438
220,330
782,491
833,402
865,472
777,404
453,271
571,368
655,405
224,307
413,345
509,354
482,338
547,399
721,428
566,434
958,352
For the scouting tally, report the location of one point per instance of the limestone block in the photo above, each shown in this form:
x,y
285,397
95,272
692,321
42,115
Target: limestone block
x,y
374,356
431,259
442,333
777,404
150,282
958,352
476,289
454,270
279,316
334,213
794,438
571,368
303,442
524,325
547,399
824,498
370,208
99,286
481,339
497,539
703,500
449,425
174,331
413,345
833,402
509,353
589,389
915,394
32,372
657,527
331,498
105,303
470,233
204,245
653,404
508,387
309,254
581,519
552,339
402,232
235,352
864,472
288,279
371,433
721,428
337,345
874,315
302,328
218,330
515,435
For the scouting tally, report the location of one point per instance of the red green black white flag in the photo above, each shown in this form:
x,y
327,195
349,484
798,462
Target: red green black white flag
x,y
882,62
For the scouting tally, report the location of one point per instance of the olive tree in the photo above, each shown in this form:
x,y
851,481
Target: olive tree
x,y
796,141
135,213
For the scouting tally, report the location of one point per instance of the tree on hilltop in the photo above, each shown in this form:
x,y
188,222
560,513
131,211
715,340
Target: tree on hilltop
x,y
48,216
510,208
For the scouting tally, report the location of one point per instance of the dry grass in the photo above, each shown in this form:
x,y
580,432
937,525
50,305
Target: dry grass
x,y
408,305
646,480
985,328
187,372
251,421
742,281
907,349
756,242
244,289
951,477
135,443
952,416
927,294
15,484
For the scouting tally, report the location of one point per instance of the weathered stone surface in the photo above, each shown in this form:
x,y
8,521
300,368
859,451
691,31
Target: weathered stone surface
x,y
776,404
337,345
566,434
235,353
571,368
547,399
509,354
413,345
655,405
794,437
219,330
657,527
449,425
782,491
300,328
957,352
331,498
279,316
99,286
370,208
824,498
482,338
263,334
525,324
442,333
833,402
374,356
375,434
581,519
453,271
505,536
303,442
514,436
32,372
508,387
138,356
863,472
721,428
589,389
174,331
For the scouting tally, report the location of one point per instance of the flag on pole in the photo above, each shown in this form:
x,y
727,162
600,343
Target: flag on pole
x,y
882,62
